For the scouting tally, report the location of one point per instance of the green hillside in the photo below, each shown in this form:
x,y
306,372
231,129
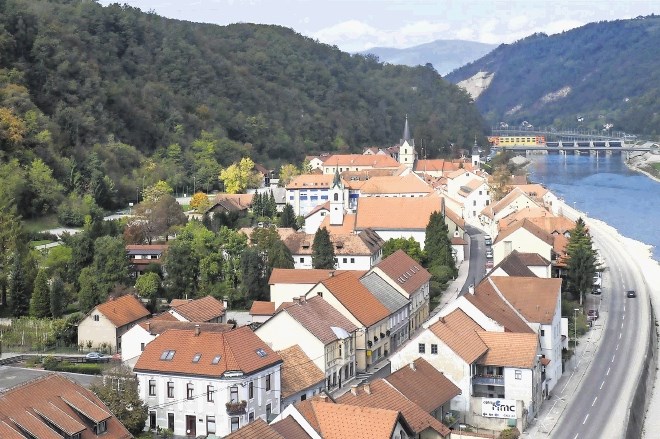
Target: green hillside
x,y
606,73
100,101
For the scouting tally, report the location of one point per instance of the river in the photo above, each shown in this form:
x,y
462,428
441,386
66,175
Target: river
x,y
603,187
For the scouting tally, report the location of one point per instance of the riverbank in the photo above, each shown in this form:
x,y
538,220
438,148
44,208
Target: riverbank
x,y
647,163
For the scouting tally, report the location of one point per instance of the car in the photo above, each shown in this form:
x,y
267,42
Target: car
x,y
592,315
631,293
597,290
488,240
489,254
93,357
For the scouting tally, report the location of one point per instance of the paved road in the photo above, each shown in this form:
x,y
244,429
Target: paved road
x,y
477,250
11,376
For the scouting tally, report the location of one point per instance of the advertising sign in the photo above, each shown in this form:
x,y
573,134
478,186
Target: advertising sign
x,y
498,408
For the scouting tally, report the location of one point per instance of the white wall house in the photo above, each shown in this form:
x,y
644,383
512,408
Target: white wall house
x,y
287,284
525,237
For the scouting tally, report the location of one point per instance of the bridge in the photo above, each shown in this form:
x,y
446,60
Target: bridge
x,y
608,146
568,135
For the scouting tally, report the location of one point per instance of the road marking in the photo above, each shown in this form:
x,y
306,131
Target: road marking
x,y
594,403
585,419
623,317
624,308
608,372
613,356
601,385
621,325
617,347
576,435
619,336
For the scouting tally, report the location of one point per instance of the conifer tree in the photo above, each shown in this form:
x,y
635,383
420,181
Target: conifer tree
x,y
581,264
437,244
18,290
323,253
271,205
40,301
56,297
288,218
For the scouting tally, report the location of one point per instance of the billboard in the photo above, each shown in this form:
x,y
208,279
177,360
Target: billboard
x,y
498,408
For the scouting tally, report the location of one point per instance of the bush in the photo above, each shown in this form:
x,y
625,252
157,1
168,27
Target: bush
x,y
51,363
510,433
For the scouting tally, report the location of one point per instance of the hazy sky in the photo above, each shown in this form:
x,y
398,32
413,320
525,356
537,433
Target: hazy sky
x,y
354,25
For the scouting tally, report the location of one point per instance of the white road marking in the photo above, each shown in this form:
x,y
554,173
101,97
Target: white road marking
x,y
623,317
621,325
619,336
617,347
613,356
585,419
576,435
601,385
608,372
594,403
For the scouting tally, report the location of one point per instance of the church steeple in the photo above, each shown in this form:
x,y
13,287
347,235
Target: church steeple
x,y
336,200
475,154
406,132
407,153
336,182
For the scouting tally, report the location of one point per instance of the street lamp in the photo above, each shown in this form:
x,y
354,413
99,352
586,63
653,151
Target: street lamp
x,y
575,311
194,185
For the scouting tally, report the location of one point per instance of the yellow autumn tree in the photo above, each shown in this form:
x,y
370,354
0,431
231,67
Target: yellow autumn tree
x,y
156,191
240,176
12,128
200,202
287,173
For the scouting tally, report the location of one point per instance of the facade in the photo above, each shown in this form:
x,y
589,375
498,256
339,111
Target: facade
x,y
307,191
105,325
357,162
143,255
525,237
287,284
201,383
514,201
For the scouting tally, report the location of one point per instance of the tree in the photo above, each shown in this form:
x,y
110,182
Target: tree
x,y
11,232
581,260
253,274
437,244
182,266
156,191
40,300
110,262
323,252
240,176
57,293
200,202
287,173
409,245
288,217
119,392
279,256
18,289
47,191
500,182
148,287
90,293
157,217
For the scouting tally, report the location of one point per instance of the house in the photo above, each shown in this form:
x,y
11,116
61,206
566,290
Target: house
x,y
305,192
301,378
53,406
237,204
411,280
105,325
206,309
406,186
380,394
224,379
357,162
322,418
140,335
471,191
143,255
525,237
322,332
439,167
353,300
260,311
514,201
522,265
287,284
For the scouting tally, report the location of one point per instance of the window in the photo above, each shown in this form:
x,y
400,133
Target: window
x,y
152,420
422,348
234,423
251,390
189,391
269,410
141,347
434,348
474,202
100,428
216,359
152,387
519,374
96,317
233,394
352,260
542,332
210,425
303,397
345,260
268,383
251,417
302,260
167,355
336,197
209,393
170,421
196,358
261,352
170,389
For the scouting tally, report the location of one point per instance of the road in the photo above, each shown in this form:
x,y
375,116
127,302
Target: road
x,y
477,249
602,401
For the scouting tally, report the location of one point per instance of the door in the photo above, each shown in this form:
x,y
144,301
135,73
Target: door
x,y
190,426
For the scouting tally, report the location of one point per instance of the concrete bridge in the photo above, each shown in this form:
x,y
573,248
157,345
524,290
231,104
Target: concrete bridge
x,y
583,145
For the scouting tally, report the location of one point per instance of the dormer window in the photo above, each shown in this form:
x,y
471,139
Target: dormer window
x,y
167,355
261,352
196,358
216,359
100,428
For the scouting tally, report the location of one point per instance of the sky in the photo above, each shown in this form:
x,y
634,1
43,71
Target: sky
x,y
356,25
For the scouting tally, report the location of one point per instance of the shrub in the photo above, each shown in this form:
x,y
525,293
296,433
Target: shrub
x,y
510,433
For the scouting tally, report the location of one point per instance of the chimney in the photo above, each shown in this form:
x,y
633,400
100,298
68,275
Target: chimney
x,y
148,327
296,300
331,273
302,299
323,398
471,289
367,389
197,330
412,366
224,304
354,390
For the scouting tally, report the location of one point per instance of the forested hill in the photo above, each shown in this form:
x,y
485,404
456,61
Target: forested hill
x,y
607,72
108,97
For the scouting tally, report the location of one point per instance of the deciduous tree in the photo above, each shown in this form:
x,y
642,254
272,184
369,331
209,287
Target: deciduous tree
x,y
409,245
287,173
240,176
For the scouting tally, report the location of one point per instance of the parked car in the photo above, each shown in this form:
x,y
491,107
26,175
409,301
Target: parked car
x,y
631,293
488,240
592,315
489,254
94,357
596,290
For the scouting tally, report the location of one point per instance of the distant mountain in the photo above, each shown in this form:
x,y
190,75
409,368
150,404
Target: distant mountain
x,y
598,75
445,55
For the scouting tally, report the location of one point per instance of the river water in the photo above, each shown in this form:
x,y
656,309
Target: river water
x,y
603,187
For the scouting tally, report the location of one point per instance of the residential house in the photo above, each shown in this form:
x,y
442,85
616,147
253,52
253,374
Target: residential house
x,y
316,161
224,379
143,255
261,310
358,162
321,331
353,300
439,167
287,284
411,280
322,418
404,186
301,378
53,406
380,394
237,204
512,202
315,217
104,326
307,191
542,196
471,191
526,237
140,335
522,265
206,309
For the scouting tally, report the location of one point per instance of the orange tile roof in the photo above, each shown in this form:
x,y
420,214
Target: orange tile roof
x,y
509,349
59,400
123,310
559,244
262,308
533,297
459,332
382,395
298,371
237,350
403,213
530,227
488,301
157,325
346,227
257,429
533,214
404,271
293,276
424,385
399,184
156,248
290,429
356,298
345,242
536,191
201,310
492,210
435,165
305,181
374,161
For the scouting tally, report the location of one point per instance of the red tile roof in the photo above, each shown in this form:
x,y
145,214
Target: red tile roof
x,y
262,308
488,301
201,310
356,298
298,371
238,351
403,270
123,310
530,227
459,332
402,213
509,349
257,429
290,429
159,325
535,298
293,276
374,161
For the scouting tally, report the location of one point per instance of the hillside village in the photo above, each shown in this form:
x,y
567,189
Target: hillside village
x,y
359,342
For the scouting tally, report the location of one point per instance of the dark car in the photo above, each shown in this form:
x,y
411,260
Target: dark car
x,y
631,293
592,314
596,290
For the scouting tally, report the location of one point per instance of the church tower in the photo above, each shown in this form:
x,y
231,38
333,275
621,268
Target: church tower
x,y
337,200
407,153
475,155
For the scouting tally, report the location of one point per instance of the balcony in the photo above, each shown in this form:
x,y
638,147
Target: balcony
x,y
488,380
236,408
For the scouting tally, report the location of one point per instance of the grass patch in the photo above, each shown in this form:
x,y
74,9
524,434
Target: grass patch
x,y
656,166
35,244
42,223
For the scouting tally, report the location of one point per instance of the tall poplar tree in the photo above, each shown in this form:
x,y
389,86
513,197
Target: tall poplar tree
x,y
437,244
40,300
57,297
18,289
323,253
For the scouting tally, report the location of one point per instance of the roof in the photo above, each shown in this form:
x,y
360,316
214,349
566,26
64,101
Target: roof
x,y
293,276
146,249
403,213
509,349
554,224
290,429
384,292
361,160
535,298
318,317
231,202
536,191
239,350
356,298
436,165
530,227
158,325
533,259
257,429
305,181
59,401
397,184
382,395
366,243
262,308
123,310
324,206
346,227
406,272
513,265
489,302
200,310
298,371
492,210
424,385
459,332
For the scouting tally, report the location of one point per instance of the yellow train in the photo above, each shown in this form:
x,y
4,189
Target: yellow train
x,y
516,140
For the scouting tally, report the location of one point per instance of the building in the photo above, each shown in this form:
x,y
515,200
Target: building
x,y
207,309
514,201
260,311
287,284
53,406
522,265
301,378
199,383
525,237
307,191
103,327
143,255
358,162
322,332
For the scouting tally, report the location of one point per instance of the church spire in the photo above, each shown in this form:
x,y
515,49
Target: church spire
x,y
406,131
336,182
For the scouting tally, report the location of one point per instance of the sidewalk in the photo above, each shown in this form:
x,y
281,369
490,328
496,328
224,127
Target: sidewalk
x,y
453,289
